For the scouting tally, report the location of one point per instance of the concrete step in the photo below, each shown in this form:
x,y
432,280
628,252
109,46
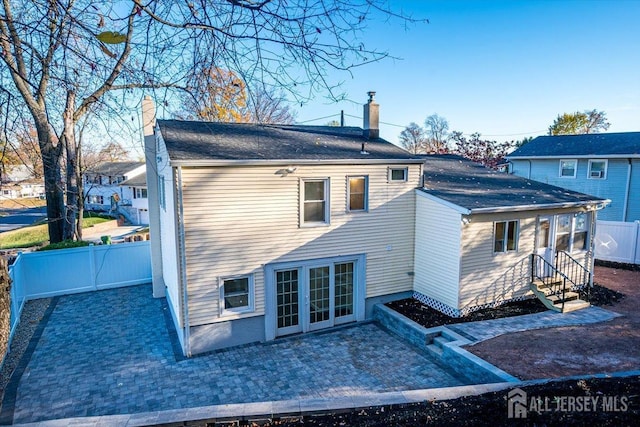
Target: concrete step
x,y
440,341
568,296
574,305
435,349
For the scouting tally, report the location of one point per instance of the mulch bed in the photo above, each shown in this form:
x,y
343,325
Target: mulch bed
x,y
556,408
429,317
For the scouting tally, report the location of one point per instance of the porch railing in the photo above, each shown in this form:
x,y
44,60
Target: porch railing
x,y
578,274
553,280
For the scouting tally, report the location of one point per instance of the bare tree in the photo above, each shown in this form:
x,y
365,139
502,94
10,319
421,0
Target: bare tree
x,y
63,58
266,106
413,138
437,130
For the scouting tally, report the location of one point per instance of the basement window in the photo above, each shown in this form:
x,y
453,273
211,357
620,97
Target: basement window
x,y
505,236
236,294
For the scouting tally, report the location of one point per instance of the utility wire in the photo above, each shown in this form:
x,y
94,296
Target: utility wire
x,y
535,132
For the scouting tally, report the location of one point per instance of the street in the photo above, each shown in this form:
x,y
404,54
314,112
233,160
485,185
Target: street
x,y
12,219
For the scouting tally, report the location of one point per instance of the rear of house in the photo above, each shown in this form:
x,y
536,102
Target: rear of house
x,y
604,165
274,230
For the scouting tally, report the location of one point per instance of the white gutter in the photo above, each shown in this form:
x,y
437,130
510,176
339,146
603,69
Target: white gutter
x,y
572,156
626,193
290,162
597,204
183,260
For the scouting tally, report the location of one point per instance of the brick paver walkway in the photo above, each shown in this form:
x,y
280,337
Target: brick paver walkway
x,y
109,352
487,329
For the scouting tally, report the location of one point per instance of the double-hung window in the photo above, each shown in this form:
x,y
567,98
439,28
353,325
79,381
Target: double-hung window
x,y
314,209
357,193
236,294
572,232
597,169
505,236
140,193
568,168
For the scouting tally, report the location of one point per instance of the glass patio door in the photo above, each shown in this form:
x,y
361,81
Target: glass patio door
x,y
320,315
288,302
314,297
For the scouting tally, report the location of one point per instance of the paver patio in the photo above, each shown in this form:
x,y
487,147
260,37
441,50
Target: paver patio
x,y
109,352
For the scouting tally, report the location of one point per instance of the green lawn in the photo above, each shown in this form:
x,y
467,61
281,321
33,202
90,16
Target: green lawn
x,y
37,235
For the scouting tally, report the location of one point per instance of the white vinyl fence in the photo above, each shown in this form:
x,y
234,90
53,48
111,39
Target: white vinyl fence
x,y
618,241
67,271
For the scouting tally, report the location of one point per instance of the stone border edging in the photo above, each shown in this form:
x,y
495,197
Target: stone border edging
x,y
465,363
300,407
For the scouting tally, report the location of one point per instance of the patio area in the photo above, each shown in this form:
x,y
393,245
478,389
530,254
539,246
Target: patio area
x,y
110,352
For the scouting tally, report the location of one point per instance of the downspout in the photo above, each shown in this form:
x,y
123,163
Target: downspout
x,y
529,173
183,259
626,193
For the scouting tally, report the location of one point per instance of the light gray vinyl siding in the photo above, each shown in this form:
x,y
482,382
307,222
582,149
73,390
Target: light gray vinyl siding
x,y
613,187
170,259
238,219
487,277
437,251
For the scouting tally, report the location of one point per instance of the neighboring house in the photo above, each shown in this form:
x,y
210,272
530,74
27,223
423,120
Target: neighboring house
x,y
271,230
605,165
480,235
10,190
265,230
17,183
102,188
139,209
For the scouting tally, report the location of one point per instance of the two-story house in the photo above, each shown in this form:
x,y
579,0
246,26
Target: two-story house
x,y
264,231
606,165
106,190
272,230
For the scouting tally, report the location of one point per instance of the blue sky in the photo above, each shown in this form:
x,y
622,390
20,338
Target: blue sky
x,y
505,69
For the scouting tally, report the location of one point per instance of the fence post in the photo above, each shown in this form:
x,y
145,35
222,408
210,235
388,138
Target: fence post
x,y
92,266
636,255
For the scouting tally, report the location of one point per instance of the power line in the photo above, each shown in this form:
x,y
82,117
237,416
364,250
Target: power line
x,y
535,132
319,118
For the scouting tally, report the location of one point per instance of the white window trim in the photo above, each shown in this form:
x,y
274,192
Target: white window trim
x,y
366,193
575,169
506,236
572,231
327,205
250,308
606,168
391,169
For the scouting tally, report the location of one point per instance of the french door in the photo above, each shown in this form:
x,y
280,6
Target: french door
x,y
314,296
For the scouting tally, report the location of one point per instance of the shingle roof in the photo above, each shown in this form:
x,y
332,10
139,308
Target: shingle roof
x,y
473,187
115,168
139,180
594,144
186,140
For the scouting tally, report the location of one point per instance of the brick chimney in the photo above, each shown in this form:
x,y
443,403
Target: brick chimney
x,y
371,128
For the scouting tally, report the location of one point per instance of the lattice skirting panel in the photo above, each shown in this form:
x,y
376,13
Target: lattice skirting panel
x,y
454,312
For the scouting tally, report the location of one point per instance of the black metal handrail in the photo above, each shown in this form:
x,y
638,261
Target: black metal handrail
x,y
578,274
557,287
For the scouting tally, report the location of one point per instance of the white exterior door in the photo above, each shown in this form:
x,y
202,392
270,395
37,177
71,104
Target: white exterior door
x,y
314,295
545,242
